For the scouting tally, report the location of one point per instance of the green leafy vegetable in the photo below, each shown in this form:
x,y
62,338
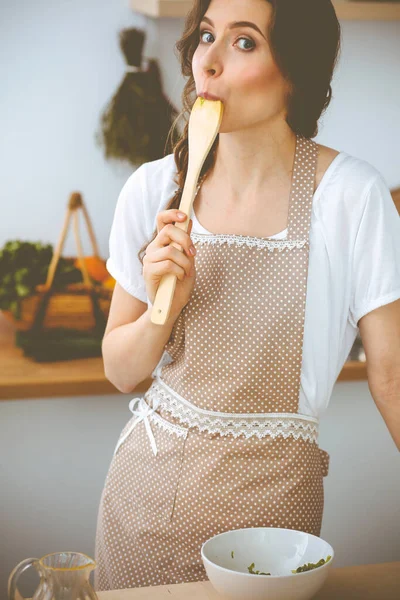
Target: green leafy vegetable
x,y
310,566
23,266
305,567
253,572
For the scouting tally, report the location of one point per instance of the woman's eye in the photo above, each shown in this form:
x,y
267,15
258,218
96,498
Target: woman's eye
x,y
241,38
252,44
202,33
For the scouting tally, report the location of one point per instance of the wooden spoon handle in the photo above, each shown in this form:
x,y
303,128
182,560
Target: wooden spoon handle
x,y
163,300
166,288
204,123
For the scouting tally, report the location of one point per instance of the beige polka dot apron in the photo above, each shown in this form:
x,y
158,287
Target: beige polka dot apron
x,y
217,442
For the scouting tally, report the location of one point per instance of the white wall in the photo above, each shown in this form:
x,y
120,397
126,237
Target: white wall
x,y
59,65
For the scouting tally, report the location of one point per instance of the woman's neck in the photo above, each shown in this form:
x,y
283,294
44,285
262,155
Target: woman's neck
x,y
248,163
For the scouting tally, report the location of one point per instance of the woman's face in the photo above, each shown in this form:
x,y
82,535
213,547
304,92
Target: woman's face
x,y
236,64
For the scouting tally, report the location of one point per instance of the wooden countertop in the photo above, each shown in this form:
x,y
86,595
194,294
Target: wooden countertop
x,y
21,377
362,582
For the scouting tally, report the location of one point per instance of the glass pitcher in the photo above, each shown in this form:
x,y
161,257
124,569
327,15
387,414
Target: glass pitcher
x,y
63,576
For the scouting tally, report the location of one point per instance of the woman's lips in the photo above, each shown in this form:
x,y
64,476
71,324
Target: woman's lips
x,y
209,96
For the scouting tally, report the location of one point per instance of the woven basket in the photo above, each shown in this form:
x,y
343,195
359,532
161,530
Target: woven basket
x,y
76,306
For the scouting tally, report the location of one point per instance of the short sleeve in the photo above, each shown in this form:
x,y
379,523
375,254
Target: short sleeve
x,y
376,258
127,236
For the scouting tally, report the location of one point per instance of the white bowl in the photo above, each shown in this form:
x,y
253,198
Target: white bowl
x,y
273,550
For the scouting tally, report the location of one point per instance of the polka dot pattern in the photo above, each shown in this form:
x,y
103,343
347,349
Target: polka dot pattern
x,y
236,348
238,342
156,512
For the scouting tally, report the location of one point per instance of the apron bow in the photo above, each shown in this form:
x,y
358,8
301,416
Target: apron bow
x,y
140,409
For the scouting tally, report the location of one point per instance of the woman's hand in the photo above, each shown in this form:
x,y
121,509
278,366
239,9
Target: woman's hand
x,y
162,258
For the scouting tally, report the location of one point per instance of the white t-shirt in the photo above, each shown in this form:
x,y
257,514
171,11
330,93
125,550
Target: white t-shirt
x,y
354,264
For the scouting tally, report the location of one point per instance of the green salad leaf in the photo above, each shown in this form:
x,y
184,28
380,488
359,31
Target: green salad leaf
x,y
253,572
310,566
305,567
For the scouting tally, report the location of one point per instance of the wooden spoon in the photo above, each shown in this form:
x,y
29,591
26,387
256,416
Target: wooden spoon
x,y
205,120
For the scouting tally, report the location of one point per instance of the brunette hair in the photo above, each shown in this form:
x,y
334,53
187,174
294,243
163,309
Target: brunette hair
x,y
305,40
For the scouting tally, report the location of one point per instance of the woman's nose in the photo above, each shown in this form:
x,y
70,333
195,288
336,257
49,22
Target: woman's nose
x,y
212,61
212,66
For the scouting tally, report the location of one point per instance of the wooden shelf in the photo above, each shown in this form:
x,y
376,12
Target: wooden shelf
x,y
21,377
367,11
162,8
345,9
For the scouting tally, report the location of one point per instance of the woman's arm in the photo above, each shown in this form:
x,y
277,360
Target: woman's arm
x,y
380,334
132,345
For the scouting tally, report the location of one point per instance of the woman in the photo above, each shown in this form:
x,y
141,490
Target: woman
x,y
227,435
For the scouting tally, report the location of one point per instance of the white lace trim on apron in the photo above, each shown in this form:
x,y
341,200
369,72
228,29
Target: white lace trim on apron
x,y
244,240
234,424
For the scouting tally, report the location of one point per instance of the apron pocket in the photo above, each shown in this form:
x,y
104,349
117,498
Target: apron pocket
x,y
147,480
325,458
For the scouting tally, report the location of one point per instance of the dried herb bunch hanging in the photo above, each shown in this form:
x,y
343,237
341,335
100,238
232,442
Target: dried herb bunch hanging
x,y
137,120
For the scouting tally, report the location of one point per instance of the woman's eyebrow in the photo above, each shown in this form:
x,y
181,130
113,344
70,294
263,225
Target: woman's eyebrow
x,y
237,24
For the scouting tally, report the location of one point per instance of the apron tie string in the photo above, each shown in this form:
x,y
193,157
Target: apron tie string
x,y
140,409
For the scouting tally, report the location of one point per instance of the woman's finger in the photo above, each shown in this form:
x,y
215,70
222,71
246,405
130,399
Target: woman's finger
x,y
169,253
170,233
169,216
